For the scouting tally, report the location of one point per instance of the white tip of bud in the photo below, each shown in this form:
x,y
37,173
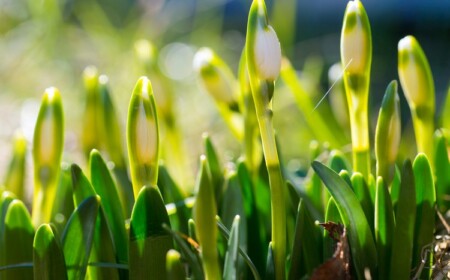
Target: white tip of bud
x,y
267,53
406,43
202,59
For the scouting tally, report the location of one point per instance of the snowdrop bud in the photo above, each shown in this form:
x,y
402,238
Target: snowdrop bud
x,y
48,133
143,136
215,76
267,53
356,45
415,74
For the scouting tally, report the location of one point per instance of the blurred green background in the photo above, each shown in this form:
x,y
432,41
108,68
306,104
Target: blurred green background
x,y
49,42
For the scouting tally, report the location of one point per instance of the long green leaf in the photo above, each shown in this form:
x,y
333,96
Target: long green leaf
x,y
256,235
78,237
18,237
205,222
105,187
48,257
306,252
425,205
232,205
442,170
149,242
103,249
362,193
363,250
384,228
230,270
402,243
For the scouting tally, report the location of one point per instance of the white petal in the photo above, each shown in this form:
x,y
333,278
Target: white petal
x,y
267,53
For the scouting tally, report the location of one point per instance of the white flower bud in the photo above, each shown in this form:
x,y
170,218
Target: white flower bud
x,y
414,73
355,39
267,53
216,77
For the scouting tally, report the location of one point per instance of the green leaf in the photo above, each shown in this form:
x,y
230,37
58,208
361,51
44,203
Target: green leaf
x,y
232,205
384,228
78,237
256,234
63,203
363,250
395,187
338,161
402,243
226,233
362,193
48,258
442,170
105,187
149,241
205,222
230,270
270,264
102,250
215,171
174,267
82,188
425,209
18,241
5,199
171,193
306,251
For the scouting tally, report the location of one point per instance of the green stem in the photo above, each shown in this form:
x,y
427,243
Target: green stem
x,y
423,122
276,181
357,97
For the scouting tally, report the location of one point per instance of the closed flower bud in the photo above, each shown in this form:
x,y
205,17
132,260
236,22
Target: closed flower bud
x,y
356,45
215,76
143,136
415,74
267,53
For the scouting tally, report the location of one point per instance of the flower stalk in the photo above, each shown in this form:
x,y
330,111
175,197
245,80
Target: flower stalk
x,y
263,55
356,58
